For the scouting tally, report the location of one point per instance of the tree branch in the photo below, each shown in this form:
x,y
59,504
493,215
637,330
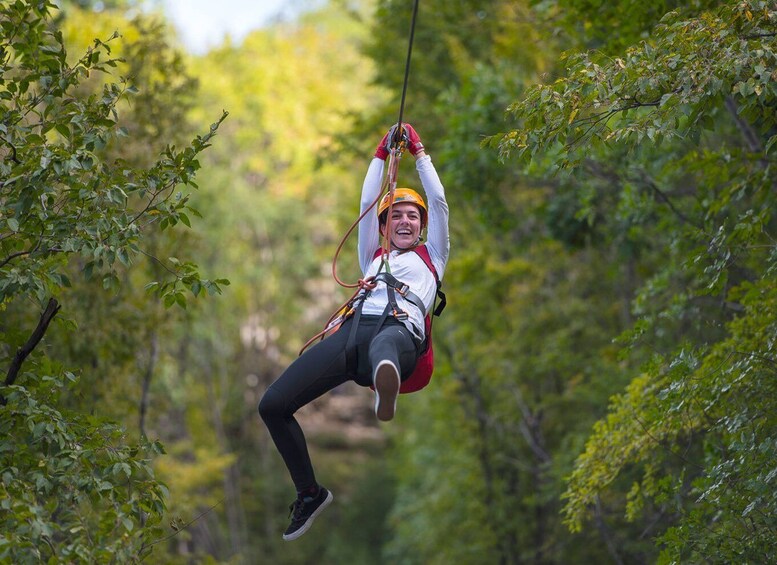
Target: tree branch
x,y
748,133
13,156
530,429
758,35
605,532
666,200
23,352
178,529
13,256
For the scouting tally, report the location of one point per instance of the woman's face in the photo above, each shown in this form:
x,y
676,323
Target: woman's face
x,y
404,225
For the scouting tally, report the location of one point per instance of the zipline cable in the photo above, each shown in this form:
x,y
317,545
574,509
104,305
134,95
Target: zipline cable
x,y
397,146
388,186
407,63
389,181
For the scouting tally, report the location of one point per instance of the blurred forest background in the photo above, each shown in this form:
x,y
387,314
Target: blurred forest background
x,y
605,386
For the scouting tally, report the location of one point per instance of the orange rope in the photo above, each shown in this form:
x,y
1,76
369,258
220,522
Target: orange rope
x,y
391,180
388,185
341,312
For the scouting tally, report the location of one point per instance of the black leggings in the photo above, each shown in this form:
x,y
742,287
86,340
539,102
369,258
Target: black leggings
x,y
320,369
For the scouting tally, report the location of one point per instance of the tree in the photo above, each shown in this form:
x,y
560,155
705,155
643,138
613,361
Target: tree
x,y
74,488
693,105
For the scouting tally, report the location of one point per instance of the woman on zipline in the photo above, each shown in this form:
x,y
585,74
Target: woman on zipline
x,y
381,342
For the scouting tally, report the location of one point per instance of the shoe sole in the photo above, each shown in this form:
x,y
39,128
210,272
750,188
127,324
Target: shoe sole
x,y
386,390
306,526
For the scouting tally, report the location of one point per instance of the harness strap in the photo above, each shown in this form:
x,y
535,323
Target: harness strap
x,y
443,301
351,359
351,355
393,284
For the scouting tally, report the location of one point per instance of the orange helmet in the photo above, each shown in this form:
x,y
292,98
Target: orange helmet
x,y
404,195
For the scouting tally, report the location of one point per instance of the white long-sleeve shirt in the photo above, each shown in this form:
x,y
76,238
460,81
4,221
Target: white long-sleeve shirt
x,y
406,266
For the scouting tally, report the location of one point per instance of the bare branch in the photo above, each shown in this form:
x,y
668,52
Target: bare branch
x,y
662,196
529,427
45,319
748,133
179,529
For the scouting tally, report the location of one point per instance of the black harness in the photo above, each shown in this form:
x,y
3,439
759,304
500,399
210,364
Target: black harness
x,y
393,286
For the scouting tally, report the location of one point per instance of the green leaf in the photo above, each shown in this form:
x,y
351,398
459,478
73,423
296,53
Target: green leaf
x,y
63,130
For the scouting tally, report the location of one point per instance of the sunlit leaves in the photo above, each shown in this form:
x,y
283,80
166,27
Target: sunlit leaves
x,y
61,198
663,87
726,392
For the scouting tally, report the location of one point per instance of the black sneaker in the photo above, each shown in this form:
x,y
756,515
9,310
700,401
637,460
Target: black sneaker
x,y
304,510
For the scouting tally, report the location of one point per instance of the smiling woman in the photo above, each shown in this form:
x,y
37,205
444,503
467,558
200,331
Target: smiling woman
x,y
384,334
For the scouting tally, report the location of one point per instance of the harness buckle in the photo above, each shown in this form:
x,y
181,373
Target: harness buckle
x,y
400,315
402,289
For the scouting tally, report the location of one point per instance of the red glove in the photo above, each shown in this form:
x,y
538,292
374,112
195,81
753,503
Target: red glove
x,y
409,135
414,144
382,150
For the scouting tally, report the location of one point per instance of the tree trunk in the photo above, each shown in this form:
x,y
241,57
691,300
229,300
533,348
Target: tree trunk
x,y
233,505
153,354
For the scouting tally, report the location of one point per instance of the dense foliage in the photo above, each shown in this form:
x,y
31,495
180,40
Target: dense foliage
x,y
604,390
699,421
73,486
